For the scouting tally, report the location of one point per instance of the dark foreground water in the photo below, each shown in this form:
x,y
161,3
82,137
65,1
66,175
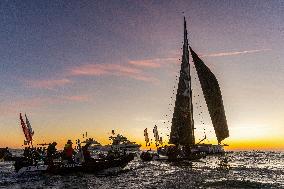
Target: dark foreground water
x,y
243,170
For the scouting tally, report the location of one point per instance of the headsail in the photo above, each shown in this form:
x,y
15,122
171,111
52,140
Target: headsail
x,y
213,97
182,130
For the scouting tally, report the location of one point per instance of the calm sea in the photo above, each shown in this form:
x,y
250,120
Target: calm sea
x,y
254,169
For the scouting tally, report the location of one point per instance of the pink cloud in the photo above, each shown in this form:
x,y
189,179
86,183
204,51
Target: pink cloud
x,y
122,69
13,107
154,63
235,53
111,69
103,69
48,84
145,63
146,78
90,69
78,98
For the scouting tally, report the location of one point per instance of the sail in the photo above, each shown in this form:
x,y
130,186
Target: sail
x,y
213,97
182,129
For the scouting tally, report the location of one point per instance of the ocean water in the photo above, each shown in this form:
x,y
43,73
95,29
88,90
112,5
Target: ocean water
x,y
253,169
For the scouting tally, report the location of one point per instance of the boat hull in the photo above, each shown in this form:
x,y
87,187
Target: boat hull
x,y
209,149
168,155
91,166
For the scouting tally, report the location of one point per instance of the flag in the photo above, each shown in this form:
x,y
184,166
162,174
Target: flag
x,y
25,129
161,141
31,132
146,136
156,135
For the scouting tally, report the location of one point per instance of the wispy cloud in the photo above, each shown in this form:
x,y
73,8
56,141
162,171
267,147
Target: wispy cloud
x,y
12,107
103,69
153,63
149,120
235,53
111,69
47,84
77,98
145,63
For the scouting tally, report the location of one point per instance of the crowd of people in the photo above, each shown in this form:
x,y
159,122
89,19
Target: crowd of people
x,y
50,153
69,153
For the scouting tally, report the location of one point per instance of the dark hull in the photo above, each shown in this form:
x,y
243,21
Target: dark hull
x,y
148,156
13,158
209,149
5,155
191,157
92,166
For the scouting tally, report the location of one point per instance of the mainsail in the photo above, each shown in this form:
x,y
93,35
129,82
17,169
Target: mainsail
x,y
182,129
213,97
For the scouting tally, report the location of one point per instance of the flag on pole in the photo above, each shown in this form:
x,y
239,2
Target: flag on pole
x,y
25,129
31,132
156,135
146,136
161,141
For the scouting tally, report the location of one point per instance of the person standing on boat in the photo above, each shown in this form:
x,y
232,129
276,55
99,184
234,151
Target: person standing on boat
x,y
68,151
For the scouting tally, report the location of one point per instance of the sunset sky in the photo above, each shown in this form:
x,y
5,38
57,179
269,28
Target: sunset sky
x,y
77,66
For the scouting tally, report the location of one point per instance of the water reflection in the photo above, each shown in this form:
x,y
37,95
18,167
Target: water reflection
x,y
235,170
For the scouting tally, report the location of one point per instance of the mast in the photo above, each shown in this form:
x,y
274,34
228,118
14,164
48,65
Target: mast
x,y
190,89
182,130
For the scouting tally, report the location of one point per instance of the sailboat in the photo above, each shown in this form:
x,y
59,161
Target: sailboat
x,y
182,138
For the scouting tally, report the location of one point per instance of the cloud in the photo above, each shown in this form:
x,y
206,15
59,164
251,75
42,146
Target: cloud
x,y
78,98
48,84
14,106
153,63
103,69
149,120
145,63
235,53
111,69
